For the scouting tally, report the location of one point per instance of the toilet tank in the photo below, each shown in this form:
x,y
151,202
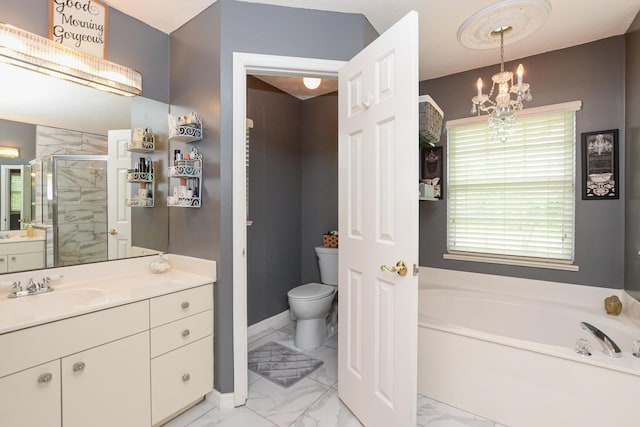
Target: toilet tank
x,y
328,262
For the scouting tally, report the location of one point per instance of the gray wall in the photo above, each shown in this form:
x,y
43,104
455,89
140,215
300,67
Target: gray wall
x,y
292,192
148,223
319,178
130,42
632,195
202,79
273,240
19,135
593,73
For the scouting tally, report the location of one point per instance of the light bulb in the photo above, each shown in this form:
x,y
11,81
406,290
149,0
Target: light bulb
x,y
311,82
520,72
479,83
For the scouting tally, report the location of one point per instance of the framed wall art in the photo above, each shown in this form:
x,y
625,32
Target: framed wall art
x,y
431,166
600,178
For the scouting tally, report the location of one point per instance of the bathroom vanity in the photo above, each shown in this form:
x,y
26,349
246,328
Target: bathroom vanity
x,y
129,348
22,253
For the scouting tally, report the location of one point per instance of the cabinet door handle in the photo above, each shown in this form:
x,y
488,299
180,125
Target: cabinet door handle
x,y
185,333
78,367
13,258
2,259
186,377
45,378
185,305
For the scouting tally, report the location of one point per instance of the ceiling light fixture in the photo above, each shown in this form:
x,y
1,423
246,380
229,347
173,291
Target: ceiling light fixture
x,y
10,152
311,83
486,29
502,111
30,51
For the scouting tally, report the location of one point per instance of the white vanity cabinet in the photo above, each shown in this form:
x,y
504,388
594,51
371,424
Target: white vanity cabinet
x,y
20,256
31,397
132,365
96,371
107,385
181,350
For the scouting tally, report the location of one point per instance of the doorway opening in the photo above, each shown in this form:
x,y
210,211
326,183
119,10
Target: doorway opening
x,y
249,64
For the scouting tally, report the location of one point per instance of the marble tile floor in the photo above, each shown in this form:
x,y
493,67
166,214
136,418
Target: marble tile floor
x,y
312,402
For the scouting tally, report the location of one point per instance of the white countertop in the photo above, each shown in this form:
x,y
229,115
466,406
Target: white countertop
x,y
21,239
92,287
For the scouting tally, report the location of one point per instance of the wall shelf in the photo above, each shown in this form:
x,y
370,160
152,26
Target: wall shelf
x,y
144,194
141,146
188,191
185,128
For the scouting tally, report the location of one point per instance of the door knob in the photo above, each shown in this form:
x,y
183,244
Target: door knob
x,y
113,232
400,268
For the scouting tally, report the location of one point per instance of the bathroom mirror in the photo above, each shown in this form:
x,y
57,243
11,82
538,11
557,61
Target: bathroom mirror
x,y
74,120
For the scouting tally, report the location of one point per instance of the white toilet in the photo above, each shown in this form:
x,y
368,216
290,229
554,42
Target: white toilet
x,y
310,303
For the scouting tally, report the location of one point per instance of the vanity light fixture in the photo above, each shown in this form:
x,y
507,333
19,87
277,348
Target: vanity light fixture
x,y
311,83
11,152
30,51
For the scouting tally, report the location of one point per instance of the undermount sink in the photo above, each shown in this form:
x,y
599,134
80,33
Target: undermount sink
x,y
23,308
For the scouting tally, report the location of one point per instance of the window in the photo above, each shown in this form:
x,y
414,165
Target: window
x,y
16,191
513,199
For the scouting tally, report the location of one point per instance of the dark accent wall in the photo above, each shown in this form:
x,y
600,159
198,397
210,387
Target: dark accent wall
x,y
19,135
632,195
593,73
148,223
319,178
202,79
273,240
130,42
293,192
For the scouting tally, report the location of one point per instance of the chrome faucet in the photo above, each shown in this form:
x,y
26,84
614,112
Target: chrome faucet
x,y
609,347
33,287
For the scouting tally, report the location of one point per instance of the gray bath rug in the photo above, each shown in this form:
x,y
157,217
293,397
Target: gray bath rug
x,y
280,364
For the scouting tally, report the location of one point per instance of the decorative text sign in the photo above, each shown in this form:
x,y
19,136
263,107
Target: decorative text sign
x,y
80,24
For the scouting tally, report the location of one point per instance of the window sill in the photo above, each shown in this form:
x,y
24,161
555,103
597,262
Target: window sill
x,y
512,261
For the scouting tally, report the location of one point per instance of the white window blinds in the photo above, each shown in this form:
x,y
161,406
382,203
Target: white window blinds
x,y
513,198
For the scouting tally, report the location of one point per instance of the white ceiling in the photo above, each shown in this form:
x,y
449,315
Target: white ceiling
x,y
571,22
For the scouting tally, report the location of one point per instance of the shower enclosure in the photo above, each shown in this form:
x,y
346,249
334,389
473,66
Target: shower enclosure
x,y
71,201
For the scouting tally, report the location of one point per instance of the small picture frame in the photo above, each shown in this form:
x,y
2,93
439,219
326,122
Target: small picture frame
x,y
431,165
600,177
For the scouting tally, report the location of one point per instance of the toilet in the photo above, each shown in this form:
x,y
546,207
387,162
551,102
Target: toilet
x,y
310,303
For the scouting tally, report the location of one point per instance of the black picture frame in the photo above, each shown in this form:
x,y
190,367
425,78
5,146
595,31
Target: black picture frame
x,y
431,167
600,165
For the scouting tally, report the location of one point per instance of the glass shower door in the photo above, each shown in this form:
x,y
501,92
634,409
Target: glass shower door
x,y
78,204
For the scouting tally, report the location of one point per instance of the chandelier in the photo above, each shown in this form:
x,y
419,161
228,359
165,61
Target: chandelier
x,y
508,100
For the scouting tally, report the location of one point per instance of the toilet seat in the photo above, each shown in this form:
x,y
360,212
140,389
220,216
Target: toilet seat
x,y
311,291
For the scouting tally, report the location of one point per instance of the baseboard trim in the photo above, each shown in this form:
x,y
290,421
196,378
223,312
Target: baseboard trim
x,y
277,321
223,401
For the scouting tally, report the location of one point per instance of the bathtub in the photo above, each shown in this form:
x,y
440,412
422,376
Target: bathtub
x,y
504,349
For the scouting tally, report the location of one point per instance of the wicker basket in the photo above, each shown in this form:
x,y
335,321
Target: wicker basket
x,y
431,117
329,241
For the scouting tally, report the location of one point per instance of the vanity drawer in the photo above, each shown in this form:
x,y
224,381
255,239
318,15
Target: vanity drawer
x,y
181,377
181,332
21,247
178,305
32,346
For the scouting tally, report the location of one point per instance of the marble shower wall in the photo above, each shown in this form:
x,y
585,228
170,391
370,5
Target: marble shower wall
x,y
82,194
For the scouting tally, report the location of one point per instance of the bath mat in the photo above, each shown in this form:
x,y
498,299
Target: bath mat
x,y
280,364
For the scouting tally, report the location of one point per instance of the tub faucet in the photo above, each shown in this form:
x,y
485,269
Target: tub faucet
x,y
609,347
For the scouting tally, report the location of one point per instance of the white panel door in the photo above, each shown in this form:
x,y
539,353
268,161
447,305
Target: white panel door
x,y
118,190
378,224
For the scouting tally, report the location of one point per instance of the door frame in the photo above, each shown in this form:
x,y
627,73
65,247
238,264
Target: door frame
x,y
244,64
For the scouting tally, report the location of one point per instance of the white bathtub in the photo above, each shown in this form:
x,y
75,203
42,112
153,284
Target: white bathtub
x,y
505,351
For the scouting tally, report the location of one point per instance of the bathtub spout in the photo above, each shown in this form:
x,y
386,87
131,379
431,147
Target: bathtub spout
x,y
609,347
